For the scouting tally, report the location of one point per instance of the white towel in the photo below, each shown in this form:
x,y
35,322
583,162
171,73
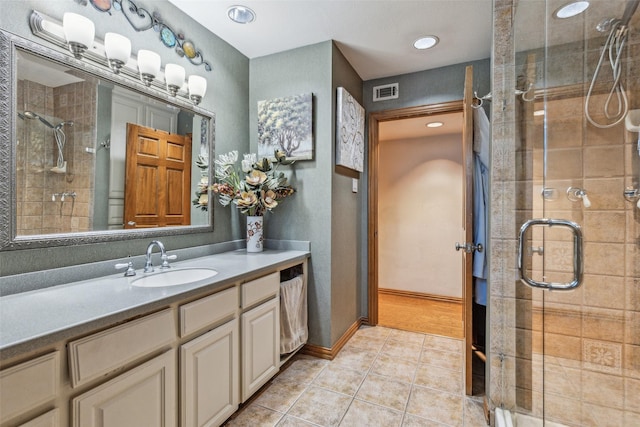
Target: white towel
x,y
293,315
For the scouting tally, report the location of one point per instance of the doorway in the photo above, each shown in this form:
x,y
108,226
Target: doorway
x,y
420,208
466,219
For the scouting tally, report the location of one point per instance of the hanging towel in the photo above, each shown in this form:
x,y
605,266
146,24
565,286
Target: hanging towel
x,y
293,315
481,128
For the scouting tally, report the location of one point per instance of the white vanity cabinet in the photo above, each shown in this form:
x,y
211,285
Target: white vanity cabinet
x,y
142,396
189,363
260,332
210,363
30,386
49,419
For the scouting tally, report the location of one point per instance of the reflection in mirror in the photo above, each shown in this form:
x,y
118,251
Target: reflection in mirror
x,y
72,154
75,162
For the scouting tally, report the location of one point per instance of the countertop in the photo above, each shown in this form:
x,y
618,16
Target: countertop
x,y
35,319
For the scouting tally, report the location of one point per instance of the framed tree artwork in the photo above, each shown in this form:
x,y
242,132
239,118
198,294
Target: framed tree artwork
x,y
286,124
350,132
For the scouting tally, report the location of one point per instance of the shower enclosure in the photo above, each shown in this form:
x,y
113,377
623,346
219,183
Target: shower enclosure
x,y
575,330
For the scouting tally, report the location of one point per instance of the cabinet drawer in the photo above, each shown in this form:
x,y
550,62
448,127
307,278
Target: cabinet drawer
x,y
25,386
50,419
104,352
260,289
207,311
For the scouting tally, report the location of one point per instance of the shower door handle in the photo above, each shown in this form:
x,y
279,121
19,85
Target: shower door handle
x,y
577,254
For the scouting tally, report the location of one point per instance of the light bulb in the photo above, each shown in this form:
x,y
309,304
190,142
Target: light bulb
x,y
148,65
174,77
118,50
79,32
197,88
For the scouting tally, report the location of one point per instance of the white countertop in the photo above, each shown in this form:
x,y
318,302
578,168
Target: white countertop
x,y
38,318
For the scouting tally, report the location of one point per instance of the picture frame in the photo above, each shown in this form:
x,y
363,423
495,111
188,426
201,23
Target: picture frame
x,y
286,124
349,132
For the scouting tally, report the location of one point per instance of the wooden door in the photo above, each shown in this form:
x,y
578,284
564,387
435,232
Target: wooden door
x,y
158,178
467,257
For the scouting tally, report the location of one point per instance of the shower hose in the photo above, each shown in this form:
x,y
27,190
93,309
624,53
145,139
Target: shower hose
x,y
614,46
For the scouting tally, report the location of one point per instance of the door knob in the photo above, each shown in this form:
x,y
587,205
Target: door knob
x,y
469,248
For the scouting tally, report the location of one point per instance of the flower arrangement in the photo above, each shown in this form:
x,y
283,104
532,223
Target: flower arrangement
x,y
259,188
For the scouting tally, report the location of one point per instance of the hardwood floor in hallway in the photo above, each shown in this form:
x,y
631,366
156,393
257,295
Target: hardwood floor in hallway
x,y
420,315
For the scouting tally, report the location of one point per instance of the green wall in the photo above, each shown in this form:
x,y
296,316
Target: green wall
x,y
323,210
227,95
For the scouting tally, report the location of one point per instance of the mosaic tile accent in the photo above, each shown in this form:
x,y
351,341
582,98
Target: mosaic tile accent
x,y
602,356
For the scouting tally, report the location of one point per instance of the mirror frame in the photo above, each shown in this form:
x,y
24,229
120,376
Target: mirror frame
x,y
9,43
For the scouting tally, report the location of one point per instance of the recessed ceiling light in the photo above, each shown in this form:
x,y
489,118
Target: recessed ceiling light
x,y
434,124
426,42
571,9
241,14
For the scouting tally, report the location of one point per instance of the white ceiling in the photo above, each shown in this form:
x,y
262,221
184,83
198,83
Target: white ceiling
x,y
376,36
43,71
416,127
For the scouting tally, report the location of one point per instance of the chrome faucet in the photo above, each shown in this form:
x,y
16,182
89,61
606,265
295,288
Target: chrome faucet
x,y
148,266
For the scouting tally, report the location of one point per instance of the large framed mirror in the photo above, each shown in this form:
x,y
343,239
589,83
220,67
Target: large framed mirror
x,y
89,156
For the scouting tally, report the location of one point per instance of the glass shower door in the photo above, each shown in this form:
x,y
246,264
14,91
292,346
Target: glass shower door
x,y
578,348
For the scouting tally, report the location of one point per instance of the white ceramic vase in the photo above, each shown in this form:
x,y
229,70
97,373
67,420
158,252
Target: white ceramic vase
x,y
254,233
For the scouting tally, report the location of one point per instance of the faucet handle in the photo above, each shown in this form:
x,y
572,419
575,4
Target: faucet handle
x,y
165,260
129,266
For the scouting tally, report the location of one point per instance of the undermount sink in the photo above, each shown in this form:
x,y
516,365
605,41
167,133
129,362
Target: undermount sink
x,y
174,277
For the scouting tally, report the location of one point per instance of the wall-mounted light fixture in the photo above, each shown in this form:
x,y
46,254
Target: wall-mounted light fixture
x,y
197,88
174,77
79,32
115,53
149,65
118,50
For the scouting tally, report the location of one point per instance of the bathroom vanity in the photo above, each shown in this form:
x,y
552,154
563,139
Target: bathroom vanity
x,y
104,352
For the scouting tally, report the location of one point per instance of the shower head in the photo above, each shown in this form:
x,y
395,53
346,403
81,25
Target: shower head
x,y
33,116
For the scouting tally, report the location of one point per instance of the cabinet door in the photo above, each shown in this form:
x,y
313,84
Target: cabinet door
x,y
143,396
210,376
29,386
260,346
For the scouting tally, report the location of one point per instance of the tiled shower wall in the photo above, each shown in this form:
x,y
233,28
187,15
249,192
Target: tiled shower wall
x,y
588,364
502,219
37,212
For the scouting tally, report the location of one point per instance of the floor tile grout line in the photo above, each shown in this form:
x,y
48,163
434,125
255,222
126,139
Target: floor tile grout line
x,y
364,378
388,335
307,386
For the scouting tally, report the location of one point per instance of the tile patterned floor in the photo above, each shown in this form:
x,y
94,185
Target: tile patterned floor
x,y
382,377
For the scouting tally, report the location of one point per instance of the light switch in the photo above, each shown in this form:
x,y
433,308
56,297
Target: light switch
x,y
354,185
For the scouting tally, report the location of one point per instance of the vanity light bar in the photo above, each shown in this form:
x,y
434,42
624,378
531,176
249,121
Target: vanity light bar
x,y
51,30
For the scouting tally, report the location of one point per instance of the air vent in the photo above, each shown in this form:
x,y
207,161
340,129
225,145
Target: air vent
x,y
384,92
